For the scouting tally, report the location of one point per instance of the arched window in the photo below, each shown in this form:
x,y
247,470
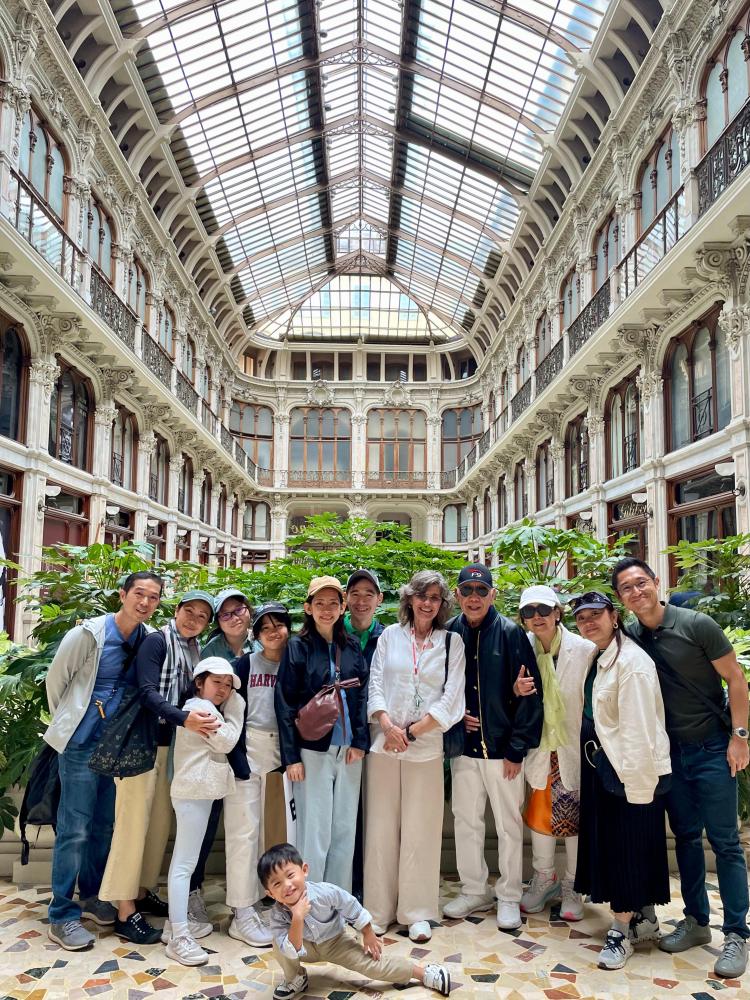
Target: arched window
x,y
543,337
492,406
321,445
623,427
13,369
487,504
158,482
545,477
124,449
726,86
42,162
98,235
577,456
607,249
137,289
460,429
660,178
570,296
253,425
256,525
221,518
185,488
502,503
205,508
455,524
166,329
396,447
524,368
520,493
70,418
475,519
696,371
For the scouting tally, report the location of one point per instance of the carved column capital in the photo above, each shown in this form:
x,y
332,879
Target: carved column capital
x,y
44,373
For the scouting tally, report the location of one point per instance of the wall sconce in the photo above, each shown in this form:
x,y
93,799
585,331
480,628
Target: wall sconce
x,y
727,469
152,522
50,490
181,532
586,515
112,510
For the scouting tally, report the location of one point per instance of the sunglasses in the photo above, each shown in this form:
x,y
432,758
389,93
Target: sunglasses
x,y
592,597
536,609
467,589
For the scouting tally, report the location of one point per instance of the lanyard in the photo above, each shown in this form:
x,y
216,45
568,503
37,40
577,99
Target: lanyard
x,y
416,654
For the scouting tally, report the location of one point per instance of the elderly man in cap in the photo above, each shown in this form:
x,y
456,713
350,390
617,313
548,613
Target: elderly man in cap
x,y
500,729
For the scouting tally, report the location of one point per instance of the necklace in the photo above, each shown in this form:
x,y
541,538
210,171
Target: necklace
x,y
417,652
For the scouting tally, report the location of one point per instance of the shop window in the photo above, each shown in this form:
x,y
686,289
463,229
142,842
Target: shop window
x,y
626,517
66,520
118,527
702,507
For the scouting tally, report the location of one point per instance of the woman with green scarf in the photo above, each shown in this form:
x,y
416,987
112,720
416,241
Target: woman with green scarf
x,y
553,770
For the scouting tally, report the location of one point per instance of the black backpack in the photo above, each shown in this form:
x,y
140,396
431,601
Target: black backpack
x,y
41,796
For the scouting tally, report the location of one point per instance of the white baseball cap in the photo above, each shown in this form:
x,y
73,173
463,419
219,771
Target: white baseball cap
x,y
216,665
540,594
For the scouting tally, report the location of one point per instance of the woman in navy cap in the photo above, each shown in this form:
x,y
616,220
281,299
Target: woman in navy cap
x,y
622,847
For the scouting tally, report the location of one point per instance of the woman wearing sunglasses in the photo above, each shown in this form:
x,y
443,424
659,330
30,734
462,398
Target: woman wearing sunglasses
x,y
622,847
554,769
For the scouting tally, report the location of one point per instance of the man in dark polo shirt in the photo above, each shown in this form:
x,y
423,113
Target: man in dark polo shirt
x,y
692,656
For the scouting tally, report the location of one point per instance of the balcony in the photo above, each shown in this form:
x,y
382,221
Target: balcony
x,y
589,319
108,305
186,393
703,416
631,452
396,477
116,469
320,477
521,400
209,419
725,161
550,367
663,233
157,361
46,235
264,477
448,479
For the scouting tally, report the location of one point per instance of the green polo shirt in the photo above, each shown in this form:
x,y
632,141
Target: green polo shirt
x,y
218,646
688,641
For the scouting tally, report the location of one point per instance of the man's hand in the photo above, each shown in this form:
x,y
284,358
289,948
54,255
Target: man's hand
x,y
204,723
524,684
738,755
471,723
371,945
353,754
296,772
302,907
510,769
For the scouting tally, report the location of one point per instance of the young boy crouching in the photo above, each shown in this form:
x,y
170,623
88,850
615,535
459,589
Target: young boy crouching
x,y
308,922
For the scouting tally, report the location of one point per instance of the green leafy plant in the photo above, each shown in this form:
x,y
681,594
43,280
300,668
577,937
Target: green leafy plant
x,y
717,571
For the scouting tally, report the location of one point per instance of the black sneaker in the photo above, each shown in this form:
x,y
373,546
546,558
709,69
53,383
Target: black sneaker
x,y
137,929
153,904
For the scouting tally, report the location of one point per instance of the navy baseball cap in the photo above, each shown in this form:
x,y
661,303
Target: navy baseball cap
x,y
476,573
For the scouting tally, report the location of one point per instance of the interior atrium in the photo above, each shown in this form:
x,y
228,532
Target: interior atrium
x,y
447,262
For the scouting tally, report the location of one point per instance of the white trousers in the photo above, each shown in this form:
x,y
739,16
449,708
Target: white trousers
x,y
243,821
192,820
475,781
403,838
543,853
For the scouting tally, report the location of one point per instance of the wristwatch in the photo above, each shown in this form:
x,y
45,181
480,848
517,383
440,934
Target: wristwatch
x,y
411,737
741,732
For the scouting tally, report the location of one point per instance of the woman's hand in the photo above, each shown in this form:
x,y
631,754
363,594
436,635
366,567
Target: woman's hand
x,y
471,723
204,723
524,684
296,772
353,754
395,740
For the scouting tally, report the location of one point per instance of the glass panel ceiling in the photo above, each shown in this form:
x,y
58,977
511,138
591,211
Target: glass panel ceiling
x,y
318,132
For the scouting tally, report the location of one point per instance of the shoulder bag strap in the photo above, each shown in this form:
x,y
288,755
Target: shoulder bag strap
x,y
447,654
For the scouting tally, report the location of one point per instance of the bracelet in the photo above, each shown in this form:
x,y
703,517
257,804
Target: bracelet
x,y
409,734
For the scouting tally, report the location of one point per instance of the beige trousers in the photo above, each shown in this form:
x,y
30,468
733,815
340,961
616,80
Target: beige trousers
x,y
346,952
143,821
403,838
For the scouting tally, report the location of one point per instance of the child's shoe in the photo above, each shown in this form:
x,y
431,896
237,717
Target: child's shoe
x,y
437,977
186,951
296,986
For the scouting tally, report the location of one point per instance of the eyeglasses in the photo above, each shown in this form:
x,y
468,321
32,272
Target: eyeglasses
x,y
638,585
238,613
592,597
536,609
479,589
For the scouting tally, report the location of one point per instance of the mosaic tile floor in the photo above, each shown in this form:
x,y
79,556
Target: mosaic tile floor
x,y
547,959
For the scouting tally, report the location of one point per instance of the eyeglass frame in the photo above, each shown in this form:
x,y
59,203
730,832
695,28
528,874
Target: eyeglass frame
x,y
238,613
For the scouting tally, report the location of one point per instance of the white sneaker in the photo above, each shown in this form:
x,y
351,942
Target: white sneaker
x,y
197,908
248,927
186,951
616,951
508,915
543,887
642,929
466,904
438,978
420,931
197,930
293,988
377,930
571,907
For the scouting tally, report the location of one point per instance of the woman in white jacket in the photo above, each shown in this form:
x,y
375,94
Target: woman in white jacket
x,y
622,847
201,775
554,769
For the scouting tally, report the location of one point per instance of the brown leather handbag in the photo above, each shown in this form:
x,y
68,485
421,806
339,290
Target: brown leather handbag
x,y
318,717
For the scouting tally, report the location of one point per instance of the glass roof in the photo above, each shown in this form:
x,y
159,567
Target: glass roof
x,y
366,139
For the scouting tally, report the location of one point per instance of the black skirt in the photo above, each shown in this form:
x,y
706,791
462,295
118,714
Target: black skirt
x,y
622,848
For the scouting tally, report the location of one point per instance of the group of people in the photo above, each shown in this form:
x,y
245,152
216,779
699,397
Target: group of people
x,y
589,738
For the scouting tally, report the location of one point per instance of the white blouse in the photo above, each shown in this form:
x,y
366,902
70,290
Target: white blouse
x,y
409,684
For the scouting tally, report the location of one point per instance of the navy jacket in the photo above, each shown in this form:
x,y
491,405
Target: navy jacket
x,y
512,726
305,669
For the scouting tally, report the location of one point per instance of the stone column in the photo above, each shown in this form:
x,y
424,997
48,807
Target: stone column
x,y
43,374
105,414
434,456
359,450
199,478
435,524
651,387
279,520
281,449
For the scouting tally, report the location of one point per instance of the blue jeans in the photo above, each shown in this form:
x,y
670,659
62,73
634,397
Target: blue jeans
x,y
327,802
703,796
85,818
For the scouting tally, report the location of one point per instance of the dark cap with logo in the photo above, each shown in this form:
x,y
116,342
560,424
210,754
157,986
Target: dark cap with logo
x,y
476,573
593,600
363,574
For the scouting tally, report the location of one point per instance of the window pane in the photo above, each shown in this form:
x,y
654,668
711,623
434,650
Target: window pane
x,y
680,397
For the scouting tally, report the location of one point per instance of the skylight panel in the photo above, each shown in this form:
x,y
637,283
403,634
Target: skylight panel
x,y
338,22
383,23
